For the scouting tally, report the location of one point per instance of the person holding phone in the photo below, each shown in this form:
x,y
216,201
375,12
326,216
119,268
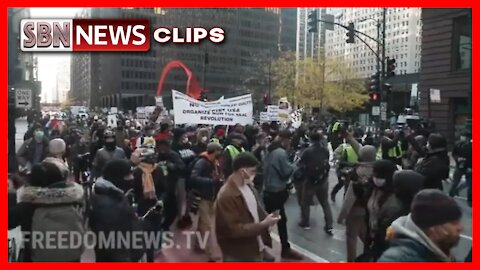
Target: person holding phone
x,y
241,223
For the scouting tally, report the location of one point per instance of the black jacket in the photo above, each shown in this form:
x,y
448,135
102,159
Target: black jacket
x,y
435,167
160,182
408,250
112,213
201,179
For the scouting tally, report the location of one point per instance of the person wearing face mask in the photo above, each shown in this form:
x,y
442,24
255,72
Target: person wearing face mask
x,y
111,212
33,150
428,233
110,151
231,151
382,189
206,179
462,154
202,138
277,170
241,223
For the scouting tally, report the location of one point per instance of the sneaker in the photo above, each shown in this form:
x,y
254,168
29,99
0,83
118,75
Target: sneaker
x,y
292,255
304,226
328,230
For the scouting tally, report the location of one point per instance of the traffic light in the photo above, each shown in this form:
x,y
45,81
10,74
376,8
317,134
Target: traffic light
x,y
374,87
312,21
351,33
374,84
390,67
387,88
374,96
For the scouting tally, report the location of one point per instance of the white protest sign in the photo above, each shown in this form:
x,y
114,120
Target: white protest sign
x,y
229,111
113,110
272,111
264,117
149,110
23,98
112,120
296,118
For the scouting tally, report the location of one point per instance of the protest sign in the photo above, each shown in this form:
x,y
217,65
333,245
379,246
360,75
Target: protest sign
x,y
272,111
264,117
227,111
112,120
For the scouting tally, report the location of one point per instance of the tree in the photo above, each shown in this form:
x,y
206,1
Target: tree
x,y
341,91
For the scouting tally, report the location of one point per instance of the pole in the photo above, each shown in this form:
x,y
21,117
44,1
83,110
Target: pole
x,y
378,65
270,77
205,60
382,75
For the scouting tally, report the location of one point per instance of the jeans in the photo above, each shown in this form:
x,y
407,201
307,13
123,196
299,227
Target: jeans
x,y
276,201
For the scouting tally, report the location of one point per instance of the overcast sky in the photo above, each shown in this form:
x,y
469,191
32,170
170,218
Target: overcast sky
x,y
48,62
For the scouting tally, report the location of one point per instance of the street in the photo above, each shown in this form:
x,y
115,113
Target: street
x,y
314,244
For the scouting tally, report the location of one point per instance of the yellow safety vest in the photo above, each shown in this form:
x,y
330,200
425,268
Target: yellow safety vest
x,y
392,152
352,157
233,151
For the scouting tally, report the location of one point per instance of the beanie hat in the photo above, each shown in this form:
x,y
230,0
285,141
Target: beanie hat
x,y
220,132
431,207
213,146
57,146
437,141
367,153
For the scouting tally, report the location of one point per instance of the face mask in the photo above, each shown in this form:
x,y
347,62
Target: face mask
x,y
38,136
185,140
249,178
110,146
204,139
379,182
463,138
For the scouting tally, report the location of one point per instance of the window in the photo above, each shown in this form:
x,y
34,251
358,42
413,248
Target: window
x,y
462,43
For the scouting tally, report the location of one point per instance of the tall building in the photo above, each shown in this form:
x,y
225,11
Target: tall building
x,y
447,66
309,44
102,79
62,86
402,41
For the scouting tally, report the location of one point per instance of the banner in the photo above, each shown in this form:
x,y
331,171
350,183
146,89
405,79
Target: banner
x,y
229,111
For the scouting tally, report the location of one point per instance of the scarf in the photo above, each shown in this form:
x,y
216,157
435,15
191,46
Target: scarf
x,y
147,180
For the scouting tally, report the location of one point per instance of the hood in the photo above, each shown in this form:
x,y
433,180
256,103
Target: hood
x,y
104,187
274,146
57,193
367,153
406,184
404,227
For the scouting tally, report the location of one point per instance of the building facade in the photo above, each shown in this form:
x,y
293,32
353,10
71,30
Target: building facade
x,y
446,66
402,40
102,79
309,45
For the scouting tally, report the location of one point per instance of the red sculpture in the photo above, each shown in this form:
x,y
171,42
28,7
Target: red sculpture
x,y
193,90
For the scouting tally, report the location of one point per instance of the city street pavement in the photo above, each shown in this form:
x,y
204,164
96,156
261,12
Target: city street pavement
x,y
314,244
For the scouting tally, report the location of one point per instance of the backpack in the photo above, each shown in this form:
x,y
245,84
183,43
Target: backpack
x,y
317,168
57,218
